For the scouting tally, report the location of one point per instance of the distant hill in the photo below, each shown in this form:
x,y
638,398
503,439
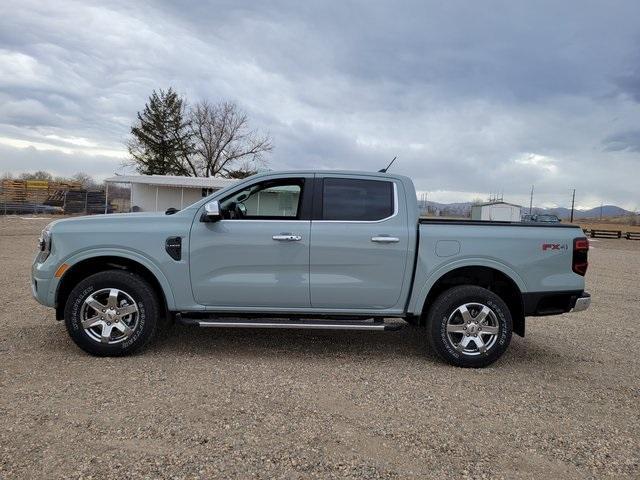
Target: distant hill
x,y
597,212
463,209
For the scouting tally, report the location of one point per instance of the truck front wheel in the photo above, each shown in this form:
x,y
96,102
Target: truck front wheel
x,y
469,326
112,313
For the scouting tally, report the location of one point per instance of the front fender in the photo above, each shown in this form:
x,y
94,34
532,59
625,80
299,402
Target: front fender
x,y
122,253
421,292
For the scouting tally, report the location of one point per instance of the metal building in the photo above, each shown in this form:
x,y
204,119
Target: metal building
x,y
154,193
496,211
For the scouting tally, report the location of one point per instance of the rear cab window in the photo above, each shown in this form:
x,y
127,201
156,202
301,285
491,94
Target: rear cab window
x,y
346,199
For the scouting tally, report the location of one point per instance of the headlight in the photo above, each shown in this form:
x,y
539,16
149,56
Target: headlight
x,y
44,242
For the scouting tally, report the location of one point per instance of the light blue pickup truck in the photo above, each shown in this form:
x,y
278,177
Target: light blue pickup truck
x,y
309,249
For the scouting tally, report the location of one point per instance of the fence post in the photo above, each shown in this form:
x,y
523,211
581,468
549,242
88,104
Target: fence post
x,y
86,200
106,197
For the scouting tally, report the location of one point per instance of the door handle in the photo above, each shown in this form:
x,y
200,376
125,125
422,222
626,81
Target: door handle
x,y
287,237
382,239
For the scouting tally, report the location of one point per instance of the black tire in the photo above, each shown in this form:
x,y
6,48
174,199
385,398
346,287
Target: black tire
x,y
446,307
137,289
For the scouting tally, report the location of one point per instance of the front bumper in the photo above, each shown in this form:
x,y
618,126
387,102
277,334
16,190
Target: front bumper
x,y
582,303
43,284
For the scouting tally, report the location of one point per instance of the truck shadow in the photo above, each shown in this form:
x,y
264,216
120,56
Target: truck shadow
x,y
275,342
408,343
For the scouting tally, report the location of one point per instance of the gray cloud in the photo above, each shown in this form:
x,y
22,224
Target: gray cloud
x,y
472,97
629,140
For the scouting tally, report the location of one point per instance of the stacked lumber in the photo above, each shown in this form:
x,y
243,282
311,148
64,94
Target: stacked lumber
x,y
33,191
85,201
56,198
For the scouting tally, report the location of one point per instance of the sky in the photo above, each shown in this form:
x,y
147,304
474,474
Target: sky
x,y
473,97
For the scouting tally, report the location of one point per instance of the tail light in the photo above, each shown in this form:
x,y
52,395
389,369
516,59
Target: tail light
x,y
580,254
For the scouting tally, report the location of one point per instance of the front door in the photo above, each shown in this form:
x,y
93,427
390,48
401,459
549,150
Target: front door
x,y
257,255
359,243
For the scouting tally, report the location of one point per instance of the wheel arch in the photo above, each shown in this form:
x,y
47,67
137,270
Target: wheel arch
x,y
90,264
489,277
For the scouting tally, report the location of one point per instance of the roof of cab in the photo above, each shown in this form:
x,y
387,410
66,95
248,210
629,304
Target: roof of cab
x,y
332,172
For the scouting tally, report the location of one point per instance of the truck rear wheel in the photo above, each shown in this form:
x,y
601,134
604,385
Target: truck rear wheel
x,y
469,326
112,313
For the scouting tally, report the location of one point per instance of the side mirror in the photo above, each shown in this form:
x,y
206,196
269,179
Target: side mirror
x,y
211,212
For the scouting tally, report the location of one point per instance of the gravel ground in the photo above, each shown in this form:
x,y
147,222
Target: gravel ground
x,y
562,403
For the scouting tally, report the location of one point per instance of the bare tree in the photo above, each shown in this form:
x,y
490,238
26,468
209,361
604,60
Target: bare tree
x,y
39,175
222,142
85,180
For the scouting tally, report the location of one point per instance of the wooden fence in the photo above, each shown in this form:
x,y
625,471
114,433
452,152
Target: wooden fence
x,y
600,233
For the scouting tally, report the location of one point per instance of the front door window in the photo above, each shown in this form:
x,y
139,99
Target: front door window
x,y
270,200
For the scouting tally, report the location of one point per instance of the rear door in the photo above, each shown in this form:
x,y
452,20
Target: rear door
x,y
359,243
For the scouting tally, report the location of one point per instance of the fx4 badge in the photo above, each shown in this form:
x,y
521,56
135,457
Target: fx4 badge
x,y
554,246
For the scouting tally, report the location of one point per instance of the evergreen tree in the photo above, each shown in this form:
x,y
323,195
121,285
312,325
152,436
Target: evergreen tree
x,y
160,140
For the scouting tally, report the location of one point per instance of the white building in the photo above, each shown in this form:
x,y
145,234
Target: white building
x,y
274,201
496,211
154,193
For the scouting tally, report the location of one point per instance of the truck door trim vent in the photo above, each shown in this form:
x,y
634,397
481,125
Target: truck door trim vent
x,y
173,246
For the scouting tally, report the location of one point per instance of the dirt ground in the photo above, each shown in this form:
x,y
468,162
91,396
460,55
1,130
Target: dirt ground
x,y
562,403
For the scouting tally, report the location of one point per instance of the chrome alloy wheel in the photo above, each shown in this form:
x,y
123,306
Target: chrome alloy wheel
x,y
472,328
109,316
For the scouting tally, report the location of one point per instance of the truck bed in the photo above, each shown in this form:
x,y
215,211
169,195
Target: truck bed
x,y
464,221
537,257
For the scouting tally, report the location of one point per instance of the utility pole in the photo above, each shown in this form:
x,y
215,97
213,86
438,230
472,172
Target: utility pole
x,y
573,202
531,201
601,203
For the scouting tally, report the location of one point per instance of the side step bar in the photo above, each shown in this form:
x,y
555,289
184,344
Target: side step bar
x,y
301,324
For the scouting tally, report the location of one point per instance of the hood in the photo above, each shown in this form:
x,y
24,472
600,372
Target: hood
x,y
101,219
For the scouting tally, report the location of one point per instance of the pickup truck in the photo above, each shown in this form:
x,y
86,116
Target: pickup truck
x,y
309,249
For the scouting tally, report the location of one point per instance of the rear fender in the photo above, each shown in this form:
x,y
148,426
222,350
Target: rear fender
x,y
418,299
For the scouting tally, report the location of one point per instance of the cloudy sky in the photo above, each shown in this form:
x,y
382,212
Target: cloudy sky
x,y
473,97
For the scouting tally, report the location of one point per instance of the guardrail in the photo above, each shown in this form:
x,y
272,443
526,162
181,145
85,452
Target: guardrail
x,y
632,235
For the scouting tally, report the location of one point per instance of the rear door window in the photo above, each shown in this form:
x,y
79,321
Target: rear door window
x,y
356,199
